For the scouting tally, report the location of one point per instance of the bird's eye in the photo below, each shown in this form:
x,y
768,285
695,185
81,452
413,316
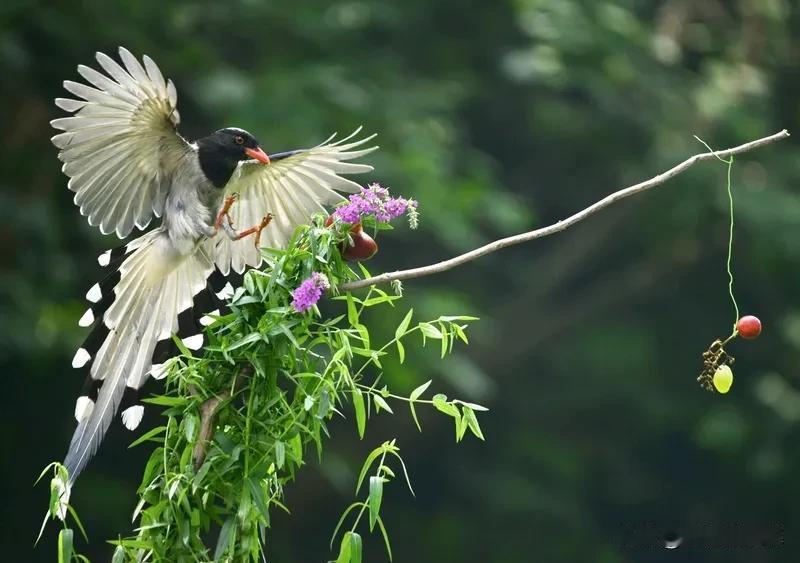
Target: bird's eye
x,y
238,139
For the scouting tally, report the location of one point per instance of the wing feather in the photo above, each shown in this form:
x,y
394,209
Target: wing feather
x,y
120,146
292,188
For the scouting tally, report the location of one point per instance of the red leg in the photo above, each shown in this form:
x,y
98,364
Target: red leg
x,y
223,213
257,230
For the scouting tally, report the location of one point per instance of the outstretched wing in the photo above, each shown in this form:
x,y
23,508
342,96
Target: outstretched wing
x,y
120,145
292,188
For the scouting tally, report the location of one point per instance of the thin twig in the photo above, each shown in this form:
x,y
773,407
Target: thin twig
x,y
563,224
208,417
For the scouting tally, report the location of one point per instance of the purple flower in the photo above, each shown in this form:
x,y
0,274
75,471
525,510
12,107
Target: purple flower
x,y
309,292
375,200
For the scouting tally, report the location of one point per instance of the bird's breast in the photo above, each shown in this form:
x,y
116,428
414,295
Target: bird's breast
x,y
189,209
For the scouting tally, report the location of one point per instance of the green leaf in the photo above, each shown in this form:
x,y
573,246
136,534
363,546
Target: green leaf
x,y
189,425
344,549
472,422
342,518
257,493
373,455
324,404
352,313
461,427
414,416
65,546
416,393
381,299
119,555
56,489
164,401
374,499
401,351
225,537
361,415
441,404
402,328
296,446
460,333
280,454
249,339
430,331
385,537
380,403
472,406
449,319
78,522
355,548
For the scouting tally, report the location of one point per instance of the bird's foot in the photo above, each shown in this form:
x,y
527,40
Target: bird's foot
x,y
223,213
256,230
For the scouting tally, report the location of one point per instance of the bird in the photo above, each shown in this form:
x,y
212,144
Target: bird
x,y
128,165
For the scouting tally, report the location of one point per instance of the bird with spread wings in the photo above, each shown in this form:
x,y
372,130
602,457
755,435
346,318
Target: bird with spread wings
x,y
127,164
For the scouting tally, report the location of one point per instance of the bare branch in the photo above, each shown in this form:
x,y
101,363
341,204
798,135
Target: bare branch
x,y
563,224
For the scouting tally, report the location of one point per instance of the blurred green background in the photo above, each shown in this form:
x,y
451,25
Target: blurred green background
x,y
498,117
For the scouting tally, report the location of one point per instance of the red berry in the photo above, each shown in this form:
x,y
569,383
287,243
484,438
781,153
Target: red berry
x,y
364,246
749,327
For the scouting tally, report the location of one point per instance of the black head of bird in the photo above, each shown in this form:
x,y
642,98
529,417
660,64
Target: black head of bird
x,y
221,152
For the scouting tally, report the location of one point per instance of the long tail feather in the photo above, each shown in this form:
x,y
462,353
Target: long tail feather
x,y
139,307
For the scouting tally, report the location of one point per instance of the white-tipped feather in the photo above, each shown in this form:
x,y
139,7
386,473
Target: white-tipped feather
x,y
194,342
104,258
80,358
209,319
94,294
145,310
132,416
87,319
158,371
83,407
226,292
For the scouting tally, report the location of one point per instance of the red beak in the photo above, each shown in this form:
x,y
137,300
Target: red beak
x,y
257,154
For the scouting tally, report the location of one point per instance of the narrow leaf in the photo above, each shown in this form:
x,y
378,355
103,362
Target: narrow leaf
x,y
355,548
344,549
280,454
380,403
417,393
361,415
430,331
225,536
414,416
403,326
472,422
373,455
65,546
374,500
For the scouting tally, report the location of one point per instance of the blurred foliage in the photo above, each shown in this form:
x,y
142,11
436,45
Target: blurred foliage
x,y
496,116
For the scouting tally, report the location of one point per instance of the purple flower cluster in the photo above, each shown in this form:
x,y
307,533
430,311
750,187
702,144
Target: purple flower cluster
x,y
309,292
374,200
